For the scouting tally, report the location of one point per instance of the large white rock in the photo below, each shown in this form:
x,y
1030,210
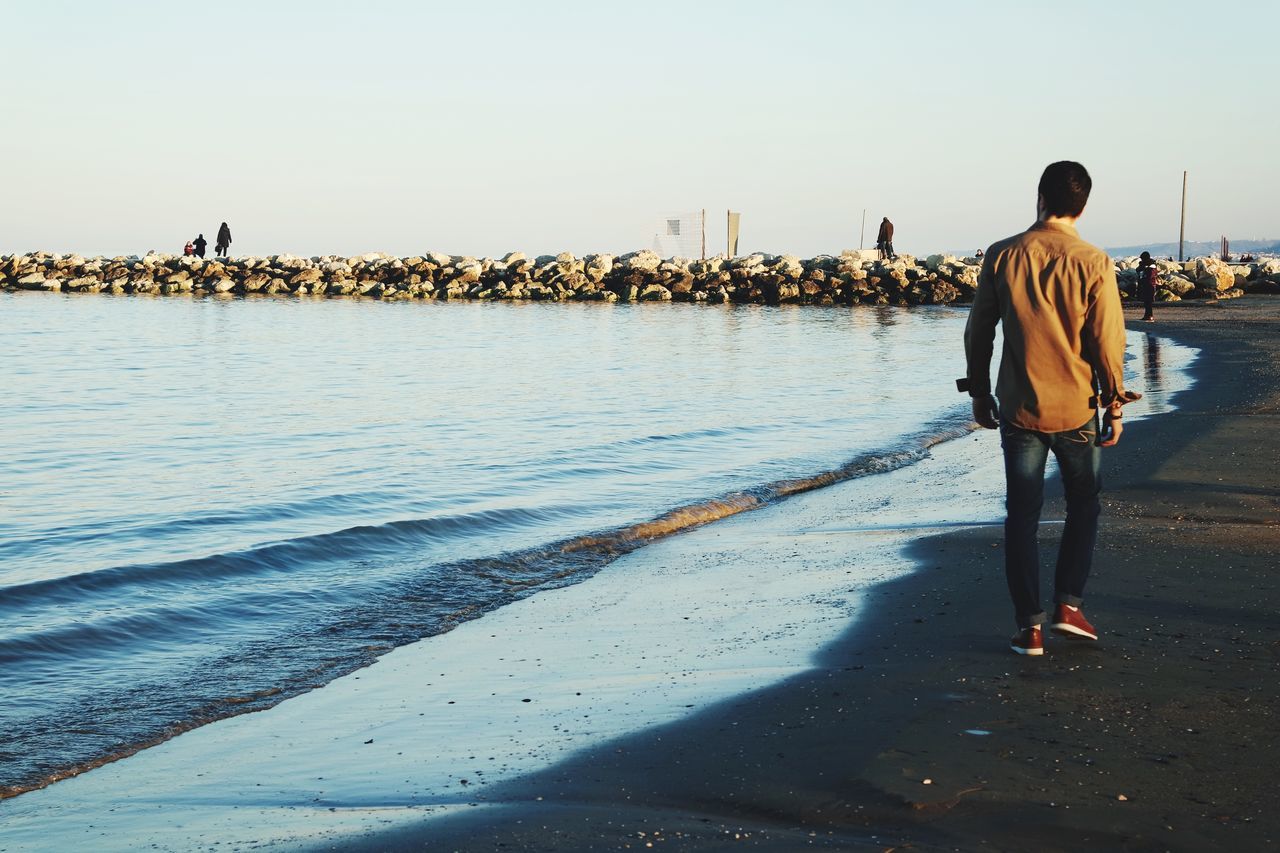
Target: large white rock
x,y
469,271
790,266
598,266
1213,274
642,261
861,254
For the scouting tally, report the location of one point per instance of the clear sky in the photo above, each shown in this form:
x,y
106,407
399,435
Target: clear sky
x,y
482,127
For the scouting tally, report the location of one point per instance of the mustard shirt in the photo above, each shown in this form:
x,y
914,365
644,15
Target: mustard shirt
x,y
1063,329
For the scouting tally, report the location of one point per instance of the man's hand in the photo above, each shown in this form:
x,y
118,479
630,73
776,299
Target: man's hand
x,y
986,412
1112,427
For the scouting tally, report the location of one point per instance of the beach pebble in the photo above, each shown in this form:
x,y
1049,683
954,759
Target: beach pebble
x,y
1122,798
928,782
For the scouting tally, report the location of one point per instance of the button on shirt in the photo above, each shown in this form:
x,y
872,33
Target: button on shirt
x,y
1057,299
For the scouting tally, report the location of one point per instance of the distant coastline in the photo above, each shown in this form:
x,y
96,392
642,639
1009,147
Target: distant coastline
x,y
1198,248
852,278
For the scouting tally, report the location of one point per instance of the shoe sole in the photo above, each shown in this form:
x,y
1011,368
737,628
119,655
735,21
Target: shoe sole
x,y
1032,652
1071,632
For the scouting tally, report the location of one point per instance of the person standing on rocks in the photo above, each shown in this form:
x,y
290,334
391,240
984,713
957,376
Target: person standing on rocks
x,y
223,242
200,242
1148,275
1063,358
884,240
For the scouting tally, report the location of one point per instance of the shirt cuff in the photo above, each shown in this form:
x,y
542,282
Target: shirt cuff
x,y
1120,397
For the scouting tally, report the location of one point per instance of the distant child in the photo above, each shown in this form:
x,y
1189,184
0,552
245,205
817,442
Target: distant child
x,y
189,249
224,241
200,243
1148,275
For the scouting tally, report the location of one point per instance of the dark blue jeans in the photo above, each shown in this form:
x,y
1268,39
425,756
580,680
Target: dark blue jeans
x,y
1079,458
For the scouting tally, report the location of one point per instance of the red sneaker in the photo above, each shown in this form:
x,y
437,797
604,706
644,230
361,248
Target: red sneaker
x,y
1028,641
1070,623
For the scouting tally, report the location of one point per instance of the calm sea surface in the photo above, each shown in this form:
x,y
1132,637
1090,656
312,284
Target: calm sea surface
x,y
207,505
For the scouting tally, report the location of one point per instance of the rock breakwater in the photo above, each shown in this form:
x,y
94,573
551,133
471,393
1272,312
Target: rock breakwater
x,y
848,279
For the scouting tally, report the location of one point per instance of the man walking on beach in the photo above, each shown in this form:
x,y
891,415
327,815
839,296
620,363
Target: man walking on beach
x,y
1063,358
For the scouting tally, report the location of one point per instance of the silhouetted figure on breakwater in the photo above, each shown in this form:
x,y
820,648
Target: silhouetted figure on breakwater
x,y
884,240
223,242
200,242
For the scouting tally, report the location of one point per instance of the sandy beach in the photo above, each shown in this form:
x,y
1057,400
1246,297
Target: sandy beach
x,y
918,730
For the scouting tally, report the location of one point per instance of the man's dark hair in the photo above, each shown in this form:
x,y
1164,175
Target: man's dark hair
x,y
1065,186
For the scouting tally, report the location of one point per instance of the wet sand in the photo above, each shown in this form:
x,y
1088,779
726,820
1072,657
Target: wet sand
x,y
918,729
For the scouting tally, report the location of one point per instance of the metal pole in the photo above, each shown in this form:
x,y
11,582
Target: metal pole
x,y
1182,228
704,233
863,239
728,232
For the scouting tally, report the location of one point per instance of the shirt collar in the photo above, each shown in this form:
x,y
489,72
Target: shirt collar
x,y
1060,227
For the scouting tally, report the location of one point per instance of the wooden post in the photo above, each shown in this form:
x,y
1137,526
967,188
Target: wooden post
x,y
1182,227
704,233
728,233
863,239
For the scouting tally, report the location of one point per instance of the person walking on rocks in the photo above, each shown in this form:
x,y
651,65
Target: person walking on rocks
x,y
223,241
1063,358
1148,275
884,240
200,242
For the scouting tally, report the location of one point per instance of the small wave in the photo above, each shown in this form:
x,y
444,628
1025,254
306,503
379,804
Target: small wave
x,y
351,543
153,527
692,515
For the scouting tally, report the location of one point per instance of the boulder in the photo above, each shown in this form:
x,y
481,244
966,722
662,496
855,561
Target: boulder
x,y
1214,275
468,271
655,293
306,275
860,255
643,261
789,266
597,267
32,281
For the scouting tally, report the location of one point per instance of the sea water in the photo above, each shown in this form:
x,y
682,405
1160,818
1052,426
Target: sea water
x,y
208,505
